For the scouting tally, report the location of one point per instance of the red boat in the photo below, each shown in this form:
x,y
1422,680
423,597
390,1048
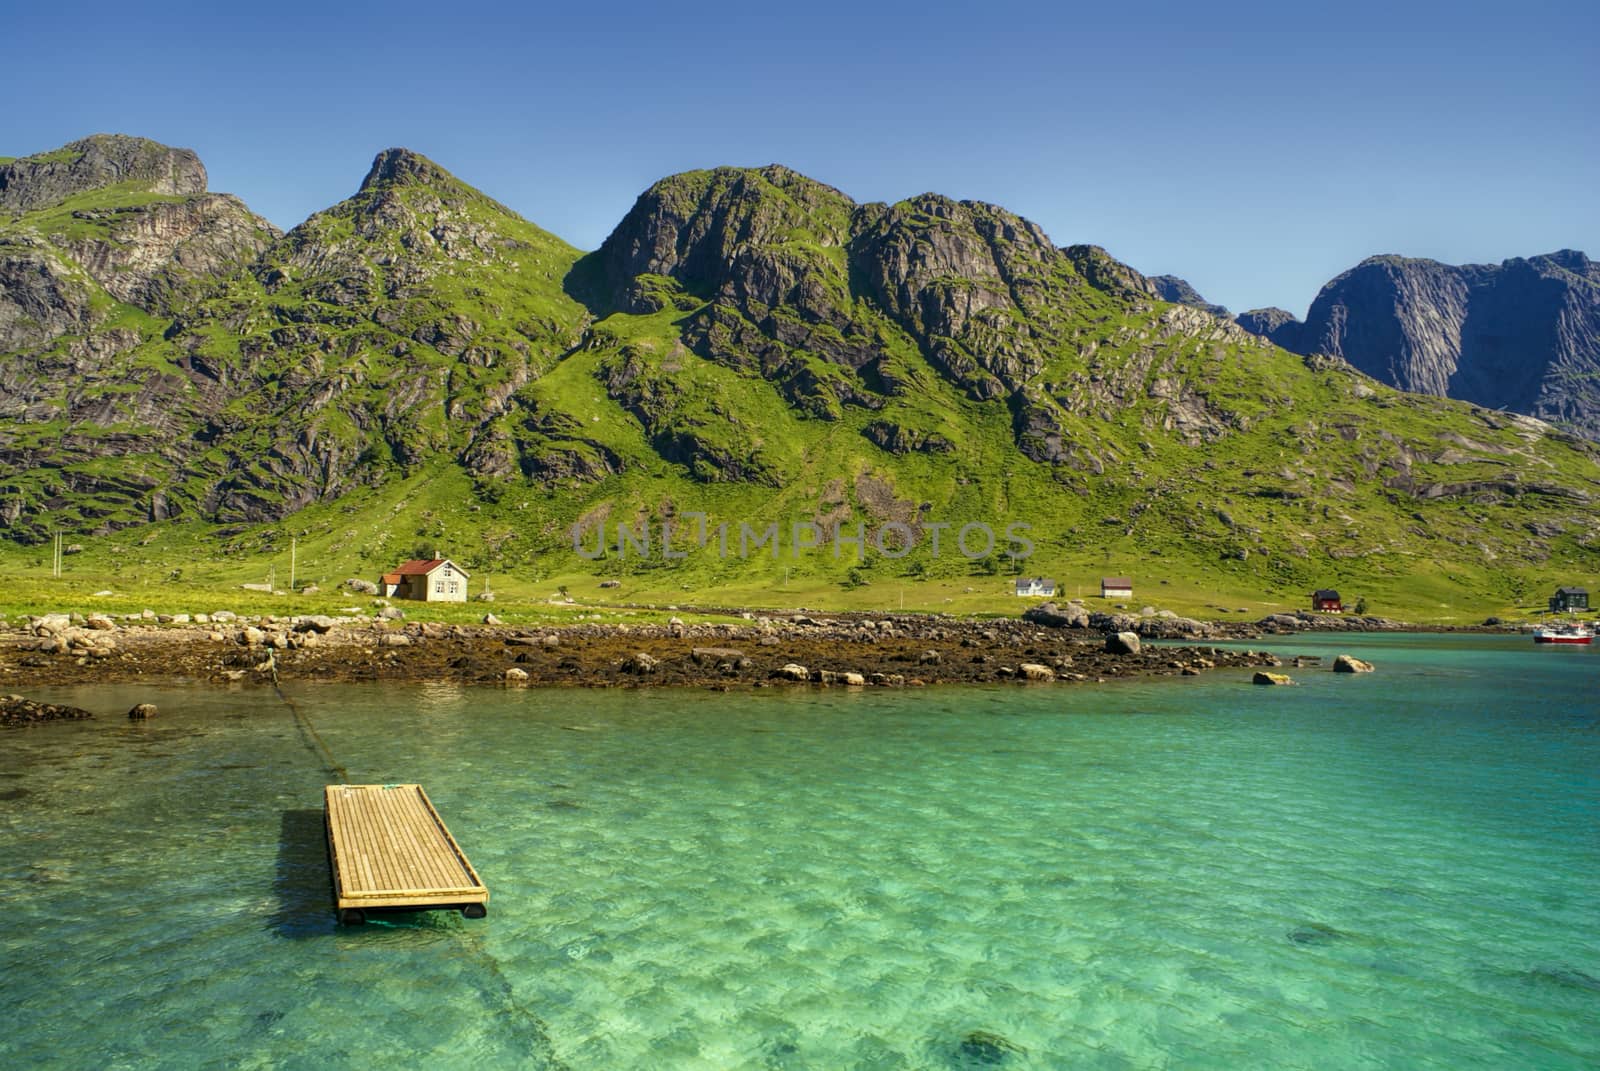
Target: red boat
x,y
1563,632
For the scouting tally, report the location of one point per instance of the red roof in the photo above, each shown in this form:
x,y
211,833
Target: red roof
x,y
1115,582
420,567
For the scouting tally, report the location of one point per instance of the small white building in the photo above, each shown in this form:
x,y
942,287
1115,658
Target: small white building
x,y
1036,587
430,580
1116,587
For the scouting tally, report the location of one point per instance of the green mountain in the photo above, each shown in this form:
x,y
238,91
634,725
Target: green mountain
x,y
418,366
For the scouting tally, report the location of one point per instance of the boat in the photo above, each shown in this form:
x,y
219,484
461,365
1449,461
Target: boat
x,y
1563,632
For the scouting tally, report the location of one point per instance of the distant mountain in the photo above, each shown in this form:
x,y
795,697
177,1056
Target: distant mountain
x,y
746,341
1523,335
1176,290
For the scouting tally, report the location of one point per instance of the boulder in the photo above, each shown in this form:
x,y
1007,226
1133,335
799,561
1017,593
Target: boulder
x,y
1122,643
1034,672
319,624
640,663
142,711
828,676
1263,677
391,613
792,671
516,676
395,639
99,622
611,583
51,624
1346,664
930,658
1050,615
363,587
490,619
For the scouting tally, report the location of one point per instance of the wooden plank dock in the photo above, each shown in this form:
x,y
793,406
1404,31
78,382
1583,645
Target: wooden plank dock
x,y
390,849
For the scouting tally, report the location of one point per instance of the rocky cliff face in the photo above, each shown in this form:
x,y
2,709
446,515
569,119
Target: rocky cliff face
x,y
1278,325
1523,335
94,163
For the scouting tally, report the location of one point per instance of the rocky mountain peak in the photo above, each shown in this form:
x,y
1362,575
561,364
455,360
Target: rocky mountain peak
x,y
1179,292
1522,335
98,161
1279,326
399,167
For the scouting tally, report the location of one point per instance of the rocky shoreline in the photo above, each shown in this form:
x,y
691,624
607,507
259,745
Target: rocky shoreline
x,y
894,650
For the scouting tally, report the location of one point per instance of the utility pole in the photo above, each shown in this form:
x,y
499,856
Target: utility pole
x,y
292,546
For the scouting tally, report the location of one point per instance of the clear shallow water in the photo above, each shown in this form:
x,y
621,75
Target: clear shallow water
x,y
1396,870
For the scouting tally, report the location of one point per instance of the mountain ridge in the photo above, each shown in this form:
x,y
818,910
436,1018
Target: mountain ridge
x,y
748,339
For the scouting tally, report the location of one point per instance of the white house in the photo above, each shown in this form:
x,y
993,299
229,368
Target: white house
x,y
431,580
1036,587
1116,587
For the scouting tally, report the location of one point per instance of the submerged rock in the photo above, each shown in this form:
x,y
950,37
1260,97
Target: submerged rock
x,y
1263,677
1346,664
1315,933
142,711
984,1048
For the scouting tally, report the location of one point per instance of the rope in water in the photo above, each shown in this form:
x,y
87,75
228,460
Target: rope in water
x,y
308,732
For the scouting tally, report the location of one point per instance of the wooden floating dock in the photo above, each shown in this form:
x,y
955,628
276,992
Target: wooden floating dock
x,y
390,849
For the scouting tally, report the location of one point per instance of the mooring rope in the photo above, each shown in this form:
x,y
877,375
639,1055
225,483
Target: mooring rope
x,y
308,732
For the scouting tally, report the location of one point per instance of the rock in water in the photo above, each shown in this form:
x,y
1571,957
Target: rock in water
x,y
15,710
1123,643
1315,933
142,711
1263,677
984,1048
1345,664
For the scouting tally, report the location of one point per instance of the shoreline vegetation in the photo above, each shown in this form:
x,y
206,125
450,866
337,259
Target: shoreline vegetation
x,y
730,650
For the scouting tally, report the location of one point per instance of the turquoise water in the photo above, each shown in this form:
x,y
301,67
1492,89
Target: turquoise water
x,y
1395,870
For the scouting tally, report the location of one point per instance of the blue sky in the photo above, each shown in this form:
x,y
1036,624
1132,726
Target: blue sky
x,y
1254,151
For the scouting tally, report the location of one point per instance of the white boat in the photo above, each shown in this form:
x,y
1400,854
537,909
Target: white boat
x,y
1563,632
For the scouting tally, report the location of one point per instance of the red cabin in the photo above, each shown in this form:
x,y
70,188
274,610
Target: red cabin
x,y
1326,601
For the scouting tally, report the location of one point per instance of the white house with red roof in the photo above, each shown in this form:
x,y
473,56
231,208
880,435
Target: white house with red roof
x,y
429,580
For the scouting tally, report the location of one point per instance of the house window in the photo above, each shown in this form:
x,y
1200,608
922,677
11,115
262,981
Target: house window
x,y
453,588
447,570
438,587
